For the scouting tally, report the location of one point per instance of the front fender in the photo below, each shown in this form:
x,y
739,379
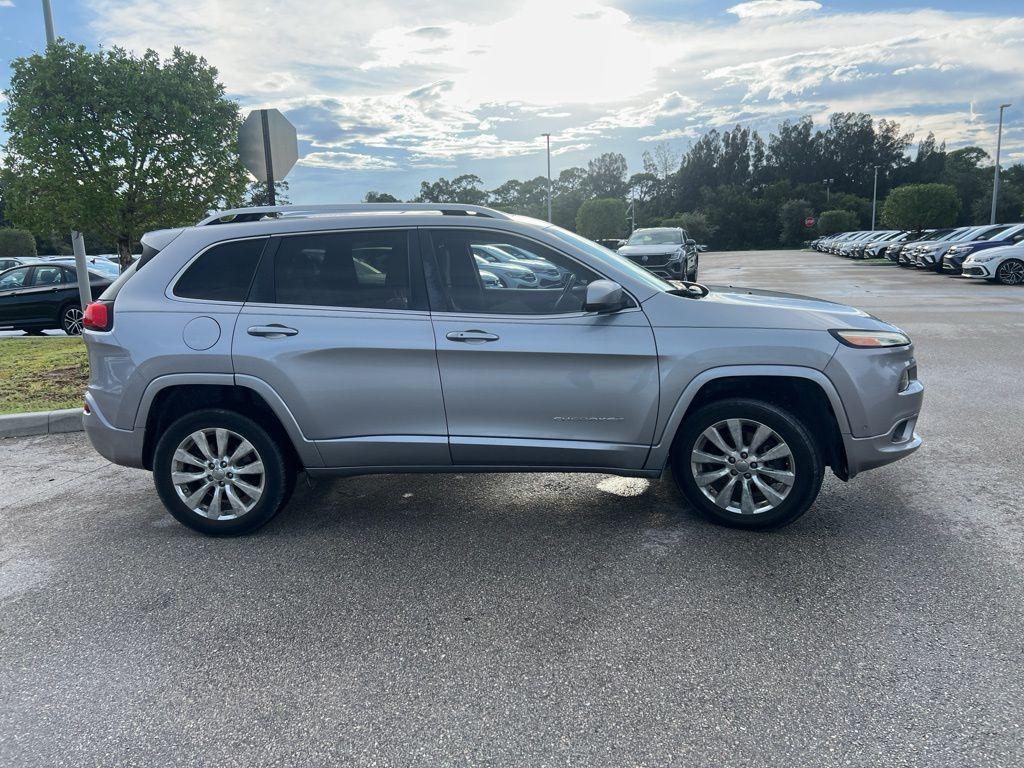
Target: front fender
x,y
658,456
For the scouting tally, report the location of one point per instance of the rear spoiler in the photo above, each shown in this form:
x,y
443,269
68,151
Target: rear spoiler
x,y
154,242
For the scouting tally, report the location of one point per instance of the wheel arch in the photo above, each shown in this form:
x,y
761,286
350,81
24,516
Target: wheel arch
x,y
170,397
805,391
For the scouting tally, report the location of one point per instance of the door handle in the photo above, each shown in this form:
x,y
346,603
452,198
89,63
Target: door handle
x,y
272,331
471,337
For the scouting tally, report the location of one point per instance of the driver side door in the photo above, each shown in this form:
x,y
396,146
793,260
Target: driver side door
x,y
528,377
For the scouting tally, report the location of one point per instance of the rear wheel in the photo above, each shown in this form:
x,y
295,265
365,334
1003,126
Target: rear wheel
x,y
221,473
71,318
747,464
1011,272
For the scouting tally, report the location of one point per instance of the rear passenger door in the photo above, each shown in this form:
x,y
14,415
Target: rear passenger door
x,y
337,324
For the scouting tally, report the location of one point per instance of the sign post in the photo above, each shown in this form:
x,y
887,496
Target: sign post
x,y
268,147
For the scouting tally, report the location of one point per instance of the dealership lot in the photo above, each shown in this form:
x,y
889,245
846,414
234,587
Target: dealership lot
x,y
546,619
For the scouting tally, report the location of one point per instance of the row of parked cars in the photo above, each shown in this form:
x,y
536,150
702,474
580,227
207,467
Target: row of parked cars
x,y
992,252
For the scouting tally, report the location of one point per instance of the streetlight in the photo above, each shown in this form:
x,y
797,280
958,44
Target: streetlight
x,y
828,189
547,136
995,179
48,21
77,238
874,200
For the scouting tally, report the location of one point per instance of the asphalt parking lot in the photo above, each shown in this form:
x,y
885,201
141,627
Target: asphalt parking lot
x,y
546,619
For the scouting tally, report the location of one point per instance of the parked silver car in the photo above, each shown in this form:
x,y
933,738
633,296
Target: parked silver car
x,y
240,351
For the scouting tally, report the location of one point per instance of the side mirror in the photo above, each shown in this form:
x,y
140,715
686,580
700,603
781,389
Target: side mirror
x,y
603,296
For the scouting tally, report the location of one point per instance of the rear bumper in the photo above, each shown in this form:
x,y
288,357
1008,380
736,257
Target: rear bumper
x,y
121,446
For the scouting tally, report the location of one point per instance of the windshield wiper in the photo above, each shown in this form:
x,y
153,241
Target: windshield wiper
x,y
689,290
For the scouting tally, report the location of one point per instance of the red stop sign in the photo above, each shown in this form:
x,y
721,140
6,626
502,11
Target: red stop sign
x,y
809,222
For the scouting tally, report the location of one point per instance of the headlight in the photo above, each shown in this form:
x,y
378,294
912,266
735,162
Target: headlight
x,y
870,339
978,258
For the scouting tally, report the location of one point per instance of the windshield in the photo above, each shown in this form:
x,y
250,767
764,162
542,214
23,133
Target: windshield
x,y
992,233
611,257
655,237
104,268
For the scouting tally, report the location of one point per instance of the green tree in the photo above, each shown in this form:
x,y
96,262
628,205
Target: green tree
x,y
792,217
602,218
465,189
380,197
115,144
696,224
833,222
606,175
259,193
921,206
16,242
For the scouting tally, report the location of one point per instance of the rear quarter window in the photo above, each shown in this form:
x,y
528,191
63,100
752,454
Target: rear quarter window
x,y
223,273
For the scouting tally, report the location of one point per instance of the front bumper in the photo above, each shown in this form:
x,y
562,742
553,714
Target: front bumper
x,y
121,446
865,453
953,264
971,269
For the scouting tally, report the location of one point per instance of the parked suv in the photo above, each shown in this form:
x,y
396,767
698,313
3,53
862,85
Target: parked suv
x,y
241,351
668,252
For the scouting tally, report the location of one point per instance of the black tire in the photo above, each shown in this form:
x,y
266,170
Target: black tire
x,y
1010,272
70,319
807,465
691,276
278,480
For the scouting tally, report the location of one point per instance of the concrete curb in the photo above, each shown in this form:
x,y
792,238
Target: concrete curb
x,y
41,423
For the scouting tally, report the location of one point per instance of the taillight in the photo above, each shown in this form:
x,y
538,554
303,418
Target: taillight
x,y
99,316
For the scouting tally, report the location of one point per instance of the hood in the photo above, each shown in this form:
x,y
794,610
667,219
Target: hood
x,y
649,250
734,307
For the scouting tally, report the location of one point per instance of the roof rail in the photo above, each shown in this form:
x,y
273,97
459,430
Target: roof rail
x,y
261,212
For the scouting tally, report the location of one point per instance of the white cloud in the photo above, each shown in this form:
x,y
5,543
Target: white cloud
x,y
6,3
759,9
407,84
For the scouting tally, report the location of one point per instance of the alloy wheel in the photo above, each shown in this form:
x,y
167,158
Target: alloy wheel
x,y
743,466
71,321
1011,272
218,474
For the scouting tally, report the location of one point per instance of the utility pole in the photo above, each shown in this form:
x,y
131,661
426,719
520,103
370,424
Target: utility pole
x,y
77,239
828,189
874,200
547,136
999,147
48,21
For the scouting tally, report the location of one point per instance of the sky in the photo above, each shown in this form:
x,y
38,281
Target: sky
x,y
385,94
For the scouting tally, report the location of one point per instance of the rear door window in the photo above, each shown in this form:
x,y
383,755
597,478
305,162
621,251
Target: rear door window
x,y
222,273
372,269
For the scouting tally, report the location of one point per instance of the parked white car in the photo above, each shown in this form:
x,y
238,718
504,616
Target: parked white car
x,y
1002,265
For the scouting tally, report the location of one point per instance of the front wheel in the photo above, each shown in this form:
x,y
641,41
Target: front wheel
x,y
221,473
747,464
691,275
1011,272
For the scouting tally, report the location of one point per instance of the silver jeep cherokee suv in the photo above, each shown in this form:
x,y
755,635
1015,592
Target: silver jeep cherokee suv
x,y
354,339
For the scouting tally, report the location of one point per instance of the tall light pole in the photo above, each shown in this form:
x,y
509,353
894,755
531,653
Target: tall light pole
x,y
77,238
874,200
48,21
828,189
547,136
999,147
